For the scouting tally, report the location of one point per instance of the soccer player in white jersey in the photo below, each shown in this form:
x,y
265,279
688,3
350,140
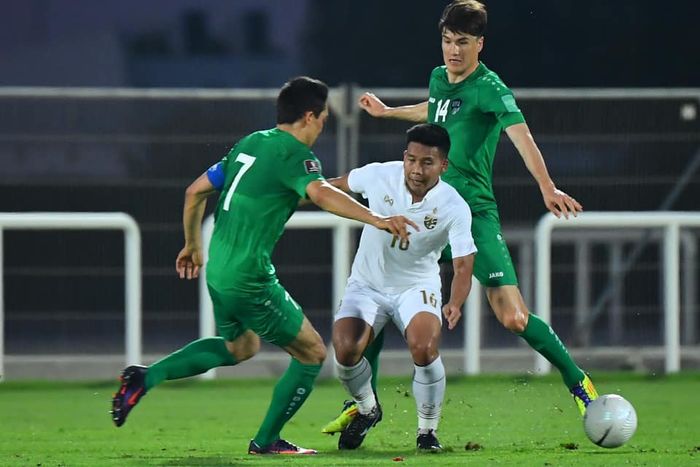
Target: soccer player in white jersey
x,y
399,280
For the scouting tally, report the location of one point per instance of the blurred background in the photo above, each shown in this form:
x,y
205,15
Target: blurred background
x,y
117,106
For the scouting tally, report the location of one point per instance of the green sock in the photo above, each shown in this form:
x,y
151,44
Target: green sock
x,y
544,340
290,393
195,358
372,356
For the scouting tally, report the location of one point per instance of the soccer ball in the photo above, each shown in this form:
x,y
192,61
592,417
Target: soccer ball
x,y
610,421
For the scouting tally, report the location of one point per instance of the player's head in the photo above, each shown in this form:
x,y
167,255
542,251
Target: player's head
x,y
462,26
425,157
303,101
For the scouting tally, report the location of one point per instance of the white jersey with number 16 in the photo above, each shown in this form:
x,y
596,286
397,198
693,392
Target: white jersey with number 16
x,y
384,262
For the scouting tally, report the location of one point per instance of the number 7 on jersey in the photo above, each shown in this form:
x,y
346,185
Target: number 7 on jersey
x,y
247,162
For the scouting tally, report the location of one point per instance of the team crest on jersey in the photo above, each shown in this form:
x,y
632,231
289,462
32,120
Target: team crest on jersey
x,y
430,220
312,166
455,105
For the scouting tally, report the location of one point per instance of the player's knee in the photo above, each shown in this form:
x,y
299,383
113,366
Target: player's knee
x,y
313,354
514,320
347,350
245,347
348,355
423,353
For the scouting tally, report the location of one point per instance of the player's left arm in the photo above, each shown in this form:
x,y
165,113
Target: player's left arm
x,y
190,259
341,183
558,202
461,285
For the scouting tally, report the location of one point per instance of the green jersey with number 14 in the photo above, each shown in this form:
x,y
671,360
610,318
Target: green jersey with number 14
x,y
266,174
474,112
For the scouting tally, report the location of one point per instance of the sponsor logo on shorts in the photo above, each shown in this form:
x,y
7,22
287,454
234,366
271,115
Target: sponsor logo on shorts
x,y
496,274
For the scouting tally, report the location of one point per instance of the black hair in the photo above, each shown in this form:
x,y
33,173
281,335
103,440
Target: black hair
x,y
431,135
300,95
464,16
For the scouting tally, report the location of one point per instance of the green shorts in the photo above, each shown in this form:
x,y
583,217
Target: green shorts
x,y
271,314
493,266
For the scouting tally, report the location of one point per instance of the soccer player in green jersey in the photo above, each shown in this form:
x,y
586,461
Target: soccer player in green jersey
x,y
261,182
475,106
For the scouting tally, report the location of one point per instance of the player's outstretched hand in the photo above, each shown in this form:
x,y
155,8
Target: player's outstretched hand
x,y
452,314
372,105
396,225
188,262
559,203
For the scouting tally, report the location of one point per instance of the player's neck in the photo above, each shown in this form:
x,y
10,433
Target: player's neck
x,y
453,78
415,198
299,133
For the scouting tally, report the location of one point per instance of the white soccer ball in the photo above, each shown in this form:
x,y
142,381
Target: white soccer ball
x,y
610,421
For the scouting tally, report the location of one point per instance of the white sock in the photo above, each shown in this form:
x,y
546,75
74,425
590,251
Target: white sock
x,y
357,380
429,391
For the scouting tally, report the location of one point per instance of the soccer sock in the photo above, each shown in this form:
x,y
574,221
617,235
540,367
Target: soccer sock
x,y
357,380
543,339
429,392
290,393
193,359
372,356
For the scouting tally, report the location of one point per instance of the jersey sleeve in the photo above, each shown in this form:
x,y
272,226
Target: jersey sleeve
x,y
460,234
496,98
301,168
360,179
216,175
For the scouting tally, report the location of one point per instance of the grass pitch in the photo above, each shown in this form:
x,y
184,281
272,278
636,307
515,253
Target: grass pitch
x,y
503,420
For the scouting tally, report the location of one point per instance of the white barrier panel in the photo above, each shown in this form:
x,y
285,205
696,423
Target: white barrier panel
x,y
671,222
341,271
88,221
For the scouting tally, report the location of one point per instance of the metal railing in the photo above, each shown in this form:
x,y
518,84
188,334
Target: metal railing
x,y
671,222
88,221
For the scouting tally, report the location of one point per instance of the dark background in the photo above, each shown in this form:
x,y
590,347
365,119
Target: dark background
x,y
254,43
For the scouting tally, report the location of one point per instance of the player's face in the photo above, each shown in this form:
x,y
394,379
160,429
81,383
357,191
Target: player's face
x,y
422,167
460,52
316,124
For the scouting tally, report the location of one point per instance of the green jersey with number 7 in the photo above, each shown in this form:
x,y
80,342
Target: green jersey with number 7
x,y
266,174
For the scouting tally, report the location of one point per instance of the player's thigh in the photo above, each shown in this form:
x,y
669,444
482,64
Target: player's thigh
x,y
415,301
363,303
228,325
272,314
493,266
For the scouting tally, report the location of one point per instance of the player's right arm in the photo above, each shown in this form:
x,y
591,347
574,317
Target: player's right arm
x,y
331,199
376,108
189,260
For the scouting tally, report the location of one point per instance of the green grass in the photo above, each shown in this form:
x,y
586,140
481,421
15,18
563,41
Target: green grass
x,y
516,420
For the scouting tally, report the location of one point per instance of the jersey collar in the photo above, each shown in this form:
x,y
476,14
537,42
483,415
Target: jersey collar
x,y
476,74
428,195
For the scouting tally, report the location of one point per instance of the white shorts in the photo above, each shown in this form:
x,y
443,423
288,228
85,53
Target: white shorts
x,y
377,308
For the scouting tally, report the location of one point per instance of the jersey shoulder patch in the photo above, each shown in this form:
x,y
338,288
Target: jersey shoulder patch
x,y
312,166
